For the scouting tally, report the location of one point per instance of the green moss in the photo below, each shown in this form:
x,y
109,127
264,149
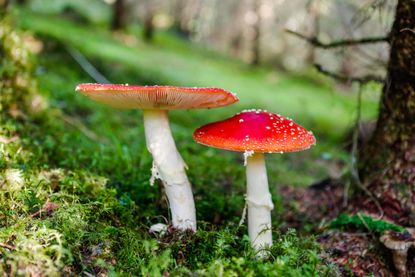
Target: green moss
x,y
16,82
365,222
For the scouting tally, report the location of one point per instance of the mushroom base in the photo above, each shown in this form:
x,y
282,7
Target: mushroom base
x,y
171,169
259,203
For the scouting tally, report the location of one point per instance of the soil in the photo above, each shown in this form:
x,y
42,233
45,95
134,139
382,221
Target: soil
x,y
356,253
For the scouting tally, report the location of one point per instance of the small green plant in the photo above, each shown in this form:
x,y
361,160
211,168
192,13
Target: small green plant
x,y
364,222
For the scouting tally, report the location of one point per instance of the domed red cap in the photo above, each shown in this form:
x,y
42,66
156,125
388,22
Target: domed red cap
x,y
256,130
157,97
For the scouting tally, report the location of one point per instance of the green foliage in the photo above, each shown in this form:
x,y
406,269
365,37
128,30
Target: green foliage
x,y
94,11
364,222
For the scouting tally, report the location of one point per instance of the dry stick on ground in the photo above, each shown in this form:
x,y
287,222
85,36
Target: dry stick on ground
x,y
48,208
8,140
359,215
7,246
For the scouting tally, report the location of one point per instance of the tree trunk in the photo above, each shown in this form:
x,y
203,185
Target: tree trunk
x,y
4,4
148,30
118,15
256,40
387,163
180,24
256,29
313,10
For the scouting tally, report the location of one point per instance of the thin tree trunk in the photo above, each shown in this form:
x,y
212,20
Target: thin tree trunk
x,y
148,30
118,15
388,160
4,4
256,40
180,23
313,9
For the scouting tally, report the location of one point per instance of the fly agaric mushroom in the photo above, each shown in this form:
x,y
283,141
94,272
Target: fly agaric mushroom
x,y
168,165
256,132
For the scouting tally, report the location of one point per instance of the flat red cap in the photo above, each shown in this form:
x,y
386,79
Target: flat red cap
x,y
157,97
256,130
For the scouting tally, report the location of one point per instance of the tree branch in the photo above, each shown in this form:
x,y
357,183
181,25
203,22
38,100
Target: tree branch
x,y
340,43
362,80
408,30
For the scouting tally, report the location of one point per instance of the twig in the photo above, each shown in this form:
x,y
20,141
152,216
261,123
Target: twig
x,y
7,246
87,66
408,30
343,43
340,43
355,139
359,215
81,127
366,12
48,208
362,80
8,140
346,193
354,154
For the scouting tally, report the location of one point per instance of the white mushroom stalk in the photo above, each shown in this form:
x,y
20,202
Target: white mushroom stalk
x,y
155,101
259,203
256,132
171,169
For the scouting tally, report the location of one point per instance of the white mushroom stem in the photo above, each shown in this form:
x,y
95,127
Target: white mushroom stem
x,y
259,203
171,169
399,260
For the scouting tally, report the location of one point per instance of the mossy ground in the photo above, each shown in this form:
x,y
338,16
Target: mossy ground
x,y
85,167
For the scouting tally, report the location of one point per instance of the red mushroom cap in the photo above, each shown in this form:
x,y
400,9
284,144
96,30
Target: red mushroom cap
x,y
157,97
256,130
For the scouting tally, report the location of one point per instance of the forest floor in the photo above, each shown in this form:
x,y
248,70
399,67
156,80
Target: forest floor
x,y
74,175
